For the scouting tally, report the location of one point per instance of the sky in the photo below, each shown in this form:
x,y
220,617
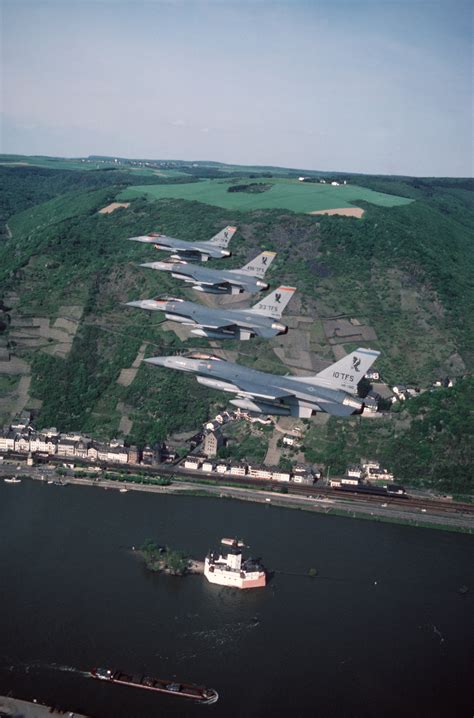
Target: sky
x,y
338,85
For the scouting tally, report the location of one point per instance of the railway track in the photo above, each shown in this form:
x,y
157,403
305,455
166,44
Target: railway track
x,y
406,501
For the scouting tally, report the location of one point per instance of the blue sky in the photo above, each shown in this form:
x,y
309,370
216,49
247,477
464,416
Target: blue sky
x,y
377,87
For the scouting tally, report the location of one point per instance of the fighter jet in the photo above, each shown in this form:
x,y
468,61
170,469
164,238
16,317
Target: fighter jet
x,y
260,320
215,248
220,281
332,390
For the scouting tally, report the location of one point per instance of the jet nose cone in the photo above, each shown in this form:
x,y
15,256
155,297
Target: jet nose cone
x,y
133,304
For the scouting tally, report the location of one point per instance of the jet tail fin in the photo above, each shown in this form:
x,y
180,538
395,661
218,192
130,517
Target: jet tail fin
x,y
274,304
346,373
259,265
222,238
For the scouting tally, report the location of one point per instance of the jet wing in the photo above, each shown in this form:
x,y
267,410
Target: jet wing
x,y
152,239
216,325
217,283
248,388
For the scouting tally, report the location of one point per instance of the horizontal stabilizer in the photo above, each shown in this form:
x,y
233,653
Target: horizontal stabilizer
x,y
336,409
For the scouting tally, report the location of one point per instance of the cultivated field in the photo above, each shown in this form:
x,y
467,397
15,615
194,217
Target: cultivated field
x,y
283,194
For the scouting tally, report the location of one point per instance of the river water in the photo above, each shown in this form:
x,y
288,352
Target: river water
x,y
383,630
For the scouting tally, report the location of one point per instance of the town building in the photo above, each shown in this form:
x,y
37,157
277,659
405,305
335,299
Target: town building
x,y
117,455
7,440
371,401
374,472
43,444
260,472
192,462
304,478
379,475
22,443
152,455
278,475
354,472
238,469
92,453
207,466
82,448
67,447
134,454
22,422
212,443
350,480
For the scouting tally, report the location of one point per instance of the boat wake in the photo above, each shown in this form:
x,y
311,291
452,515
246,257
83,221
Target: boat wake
x,y
36,666
212,700
68,669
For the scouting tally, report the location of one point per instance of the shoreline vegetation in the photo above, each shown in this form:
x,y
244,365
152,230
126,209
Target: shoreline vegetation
x,y
163,559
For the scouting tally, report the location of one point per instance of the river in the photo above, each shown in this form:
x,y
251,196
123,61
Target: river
x,y
382,630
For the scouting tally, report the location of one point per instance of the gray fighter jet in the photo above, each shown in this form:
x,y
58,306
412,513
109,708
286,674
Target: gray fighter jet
x,y
220,281
222,323
215,248
333,390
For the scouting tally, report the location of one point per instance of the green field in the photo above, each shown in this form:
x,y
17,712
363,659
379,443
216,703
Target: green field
x,y
284,194
53,163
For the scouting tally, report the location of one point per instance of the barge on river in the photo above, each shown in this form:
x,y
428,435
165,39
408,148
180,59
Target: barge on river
x,y
172,688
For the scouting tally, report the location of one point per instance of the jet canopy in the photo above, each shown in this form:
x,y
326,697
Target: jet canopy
x,y
203,355
167,298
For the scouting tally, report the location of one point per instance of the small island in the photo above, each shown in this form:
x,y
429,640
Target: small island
x,y
162,559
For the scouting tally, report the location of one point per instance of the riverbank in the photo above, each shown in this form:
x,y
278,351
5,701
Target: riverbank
x,y
445,518
15,708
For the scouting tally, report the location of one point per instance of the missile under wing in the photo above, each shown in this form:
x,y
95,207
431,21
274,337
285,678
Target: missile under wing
x,y
333,390
215,248
220,281
261,320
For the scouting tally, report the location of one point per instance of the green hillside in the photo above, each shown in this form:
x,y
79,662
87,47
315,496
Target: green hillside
x,y
403,274
282,194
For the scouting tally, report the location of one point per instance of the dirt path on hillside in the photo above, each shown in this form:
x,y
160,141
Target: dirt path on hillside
x,y
126,376
344,211
22,394
113,206
272,456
